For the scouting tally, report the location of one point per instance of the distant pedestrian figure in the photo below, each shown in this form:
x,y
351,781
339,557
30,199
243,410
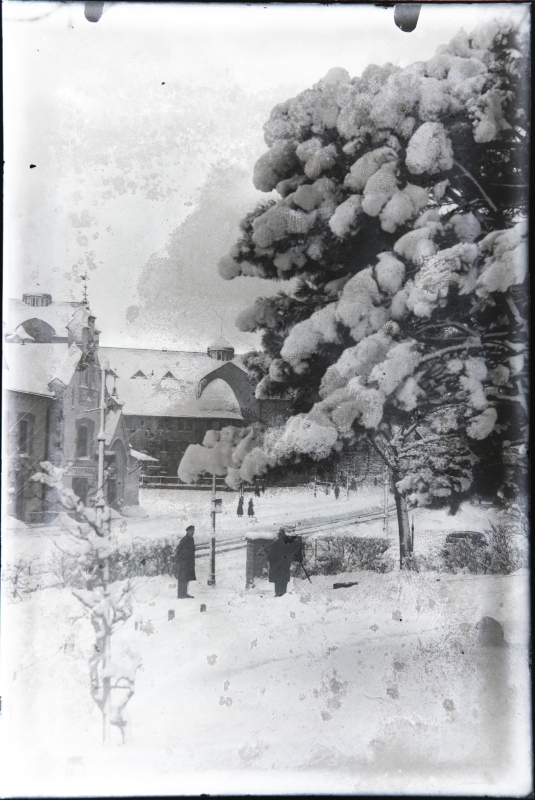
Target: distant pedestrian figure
x,y
337,491
280,556
185,562
263,488
250,508
257,491
240,507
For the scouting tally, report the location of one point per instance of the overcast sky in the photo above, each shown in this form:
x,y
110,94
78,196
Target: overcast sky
x,y
144,129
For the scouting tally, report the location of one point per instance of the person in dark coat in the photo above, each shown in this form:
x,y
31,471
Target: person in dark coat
x,y
257,491
280,556
250,508
337,491
185,563
240,507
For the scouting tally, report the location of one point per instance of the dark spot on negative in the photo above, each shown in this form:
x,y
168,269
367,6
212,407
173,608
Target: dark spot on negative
x,y
33,166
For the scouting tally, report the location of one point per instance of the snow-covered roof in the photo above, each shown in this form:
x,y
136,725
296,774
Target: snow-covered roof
x,y
31,367
58,314
169,385
141,456
221,344
112,420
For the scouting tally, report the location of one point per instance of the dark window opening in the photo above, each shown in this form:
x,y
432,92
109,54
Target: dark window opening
x,y
24,436
82,442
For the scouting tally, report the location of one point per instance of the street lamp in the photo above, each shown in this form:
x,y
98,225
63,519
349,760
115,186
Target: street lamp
x,y
217,507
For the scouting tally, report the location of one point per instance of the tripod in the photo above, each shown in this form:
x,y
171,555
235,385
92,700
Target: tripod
x,y
304,570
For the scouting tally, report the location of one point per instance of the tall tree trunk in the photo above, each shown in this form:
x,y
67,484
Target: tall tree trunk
x,y
404,528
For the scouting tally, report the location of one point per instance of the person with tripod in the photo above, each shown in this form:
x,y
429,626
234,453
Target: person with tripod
x,y
280,556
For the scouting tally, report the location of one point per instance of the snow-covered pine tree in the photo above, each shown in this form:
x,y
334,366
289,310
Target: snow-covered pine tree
x,y
401,216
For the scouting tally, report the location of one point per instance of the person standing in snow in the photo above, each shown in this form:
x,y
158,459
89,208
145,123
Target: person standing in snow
x,y
337,491
280,556
257,491
240,507
185,563
250,508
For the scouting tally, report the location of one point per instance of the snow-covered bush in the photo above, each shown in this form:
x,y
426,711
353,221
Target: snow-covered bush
x,y
508,548
332,555
109,603
465,552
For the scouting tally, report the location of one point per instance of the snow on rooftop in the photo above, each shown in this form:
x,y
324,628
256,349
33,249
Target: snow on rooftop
x,y
30,368
170,389
221,344
58,314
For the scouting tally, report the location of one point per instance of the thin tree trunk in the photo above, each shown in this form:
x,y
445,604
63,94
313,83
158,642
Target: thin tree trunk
x,y
404,528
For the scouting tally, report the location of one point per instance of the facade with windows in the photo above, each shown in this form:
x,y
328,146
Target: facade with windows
x,y
52,393
168,399
162,408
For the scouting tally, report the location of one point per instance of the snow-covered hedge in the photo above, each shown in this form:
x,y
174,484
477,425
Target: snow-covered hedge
x,y
331,555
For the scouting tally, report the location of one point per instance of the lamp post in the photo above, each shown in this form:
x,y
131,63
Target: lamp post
x,y
386,501
217,505
101,442
100,505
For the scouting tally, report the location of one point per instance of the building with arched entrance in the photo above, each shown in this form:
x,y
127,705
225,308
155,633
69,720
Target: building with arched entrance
x,y
52,385
171,398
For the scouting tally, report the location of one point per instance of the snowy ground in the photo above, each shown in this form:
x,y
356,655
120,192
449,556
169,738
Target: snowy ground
x,y
384,687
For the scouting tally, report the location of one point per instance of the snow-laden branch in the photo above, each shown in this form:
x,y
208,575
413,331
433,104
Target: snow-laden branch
x,y
476,183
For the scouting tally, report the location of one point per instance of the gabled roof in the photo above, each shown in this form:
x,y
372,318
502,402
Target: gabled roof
x,y
112,420
32,367
161,396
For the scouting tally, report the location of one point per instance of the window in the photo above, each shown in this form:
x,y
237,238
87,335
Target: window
x,y
37,300
82,441
24,436
25,433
